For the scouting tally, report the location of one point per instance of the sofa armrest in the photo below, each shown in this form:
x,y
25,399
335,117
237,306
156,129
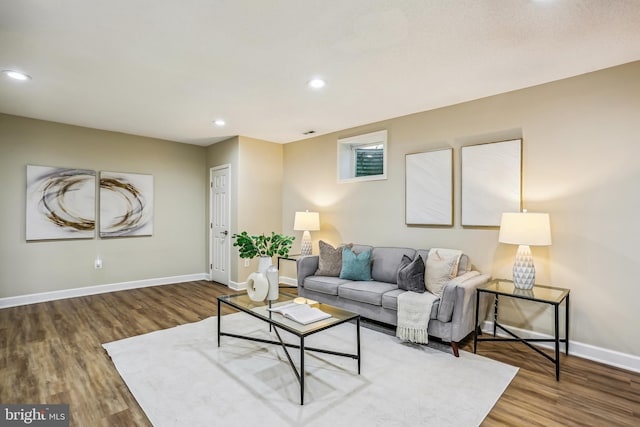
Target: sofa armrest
x,y
461,293
307,266
450,295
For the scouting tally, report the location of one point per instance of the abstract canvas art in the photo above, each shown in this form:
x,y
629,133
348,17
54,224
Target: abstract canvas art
x,y
126,204
491,182
429,188
60,203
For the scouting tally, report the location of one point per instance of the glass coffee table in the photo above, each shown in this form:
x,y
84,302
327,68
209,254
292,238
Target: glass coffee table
x,y
277,322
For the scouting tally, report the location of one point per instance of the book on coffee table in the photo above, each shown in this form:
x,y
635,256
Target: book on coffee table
x,y
301,313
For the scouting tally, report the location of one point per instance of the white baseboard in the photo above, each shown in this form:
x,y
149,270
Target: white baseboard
x,y
237,286
98,289
614,358
291,281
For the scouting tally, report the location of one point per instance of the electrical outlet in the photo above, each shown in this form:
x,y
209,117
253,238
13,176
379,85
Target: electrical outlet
x,y
97,264
246,262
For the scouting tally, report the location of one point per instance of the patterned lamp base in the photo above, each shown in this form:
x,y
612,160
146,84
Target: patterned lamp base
x,y
305,248
524,273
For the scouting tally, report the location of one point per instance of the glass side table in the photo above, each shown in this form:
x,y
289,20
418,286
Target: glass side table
x,y
291,257
539,294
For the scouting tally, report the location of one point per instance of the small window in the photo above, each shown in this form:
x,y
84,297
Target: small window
x,y
363,157
369,160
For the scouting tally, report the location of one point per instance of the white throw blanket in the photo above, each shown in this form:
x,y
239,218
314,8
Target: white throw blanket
x,y
414,310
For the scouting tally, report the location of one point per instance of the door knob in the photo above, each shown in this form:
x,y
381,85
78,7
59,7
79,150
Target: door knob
x,y
225,232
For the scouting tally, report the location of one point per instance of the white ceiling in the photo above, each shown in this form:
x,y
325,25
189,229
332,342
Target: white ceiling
x,y
168,68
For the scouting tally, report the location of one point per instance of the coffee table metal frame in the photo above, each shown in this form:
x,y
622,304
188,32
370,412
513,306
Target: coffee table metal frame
x,y
242,303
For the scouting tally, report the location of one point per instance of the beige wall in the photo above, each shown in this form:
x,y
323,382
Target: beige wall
x,y
177,246
259,193
581,151
256,196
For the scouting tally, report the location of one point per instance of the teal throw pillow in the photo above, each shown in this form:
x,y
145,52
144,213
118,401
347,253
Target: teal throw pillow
x,y
356,267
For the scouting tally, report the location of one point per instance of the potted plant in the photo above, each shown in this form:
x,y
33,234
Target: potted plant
x,y
264,283
262,246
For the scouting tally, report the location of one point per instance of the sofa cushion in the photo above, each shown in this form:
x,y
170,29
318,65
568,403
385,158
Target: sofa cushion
x,y
360,248
323,284
463,266
441,266
367,292
390,301
385,263
411,274
330,261
356,266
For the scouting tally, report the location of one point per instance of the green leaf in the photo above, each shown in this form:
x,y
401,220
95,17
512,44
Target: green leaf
x,y
252,246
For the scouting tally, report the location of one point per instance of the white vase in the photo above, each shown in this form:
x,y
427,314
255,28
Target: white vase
x,y
264,263
257,286
274,282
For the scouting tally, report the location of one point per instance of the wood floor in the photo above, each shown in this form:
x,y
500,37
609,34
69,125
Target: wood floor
x,y
51,353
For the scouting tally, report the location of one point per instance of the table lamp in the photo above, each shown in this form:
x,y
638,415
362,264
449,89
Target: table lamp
x,y
306,221
525,229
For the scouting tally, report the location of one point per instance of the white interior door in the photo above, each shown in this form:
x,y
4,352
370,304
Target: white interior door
x,y
220,236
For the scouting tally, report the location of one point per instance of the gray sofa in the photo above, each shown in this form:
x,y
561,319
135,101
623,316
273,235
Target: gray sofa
x,y
452,316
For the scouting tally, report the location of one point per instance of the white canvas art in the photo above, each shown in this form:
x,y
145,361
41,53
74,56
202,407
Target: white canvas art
x,y
429,188
491,182
126,204
60,203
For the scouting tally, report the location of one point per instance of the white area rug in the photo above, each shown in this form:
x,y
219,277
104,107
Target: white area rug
x,y
181,378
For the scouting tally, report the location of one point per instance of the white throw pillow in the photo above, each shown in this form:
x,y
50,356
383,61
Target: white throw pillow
x,y
441,266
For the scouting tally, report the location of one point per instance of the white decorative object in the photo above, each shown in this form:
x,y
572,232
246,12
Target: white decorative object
x,y
274,282
263,263
491,182
429,188
258,283
306,221
525,229
257,286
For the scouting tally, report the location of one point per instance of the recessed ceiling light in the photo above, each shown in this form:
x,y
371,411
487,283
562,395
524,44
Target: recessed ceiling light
x,y
316,83
17,75
219,122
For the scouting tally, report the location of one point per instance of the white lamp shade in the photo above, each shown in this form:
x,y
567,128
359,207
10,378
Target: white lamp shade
x,y
307,221
531,229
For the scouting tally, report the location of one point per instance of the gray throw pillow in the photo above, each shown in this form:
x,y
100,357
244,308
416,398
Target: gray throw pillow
x,y
411,274
330,262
